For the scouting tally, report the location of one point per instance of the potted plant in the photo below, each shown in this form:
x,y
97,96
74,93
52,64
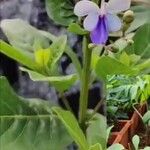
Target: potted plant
x,y
121,105
39,53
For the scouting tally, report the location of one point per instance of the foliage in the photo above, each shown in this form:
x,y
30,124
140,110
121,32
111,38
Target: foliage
x,y
61,11
75,28
43,62
146,118
93,140
34,124
124,92
136,142
139,12
131,58
28,124
141,43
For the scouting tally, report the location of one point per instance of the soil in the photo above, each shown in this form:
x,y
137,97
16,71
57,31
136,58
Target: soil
x,y
118,126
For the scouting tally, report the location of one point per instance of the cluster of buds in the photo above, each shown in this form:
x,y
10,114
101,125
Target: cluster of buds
x,y
128,18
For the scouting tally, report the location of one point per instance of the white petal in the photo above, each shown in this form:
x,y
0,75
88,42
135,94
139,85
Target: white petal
x,y
91,21
84,7
114,23
116,6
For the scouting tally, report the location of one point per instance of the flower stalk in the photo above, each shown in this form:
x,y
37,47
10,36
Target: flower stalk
x,y
85,80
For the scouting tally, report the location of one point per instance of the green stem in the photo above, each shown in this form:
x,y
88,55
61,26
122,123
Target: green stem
x,y
74,59
85,80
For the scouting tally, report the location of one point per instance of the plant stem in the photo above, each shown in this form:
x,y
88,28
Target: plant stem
x,y
65,101
85,80
100,103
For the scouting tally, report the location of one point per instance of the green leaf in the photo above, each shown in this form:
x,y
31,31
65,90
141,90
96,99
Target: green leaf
x,y
28,124
144,66
96,147
62,83
125,59
110,66
22,35
57,48
61,11
139,20
116,147
96,131
136,141
146,117
141,44
72,126
76,28
25,58
108,132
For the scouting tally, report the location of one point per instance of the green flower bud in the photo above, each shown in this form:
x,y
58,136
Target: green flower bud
x,y
128,16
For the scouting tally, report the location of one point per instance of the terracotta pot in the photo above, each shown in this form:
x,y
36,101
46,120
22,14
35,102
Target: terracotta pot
x,y
136,120
124,130
112,138
121,134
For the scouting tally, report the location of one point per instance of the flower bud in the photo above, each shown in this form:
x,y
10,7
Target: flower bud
x,y
128,16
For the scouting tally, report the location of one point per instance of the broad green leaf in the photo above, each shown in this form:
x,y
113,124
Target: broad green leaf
x,y
146,117
96,147
110,66
96,131
42,57
61,11
22,35
144,66
134,92
75,28
141,45
72,126
134,58
24,58
141,16
116,147
125,59
136,141
62,83
108,132
28,124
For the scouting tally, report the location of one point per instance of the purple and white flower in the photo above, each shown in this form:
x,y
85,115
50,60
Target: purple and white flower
x,y
101,21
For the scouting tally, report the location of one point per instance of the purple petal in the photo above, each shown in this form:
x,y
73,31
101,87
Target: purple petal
x,y
91,21
114,23
100,34
84,7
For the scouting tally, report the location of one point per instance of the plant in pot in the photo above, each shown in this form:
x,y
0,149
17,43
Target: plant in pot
x,y
123,93
39,53
143,131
